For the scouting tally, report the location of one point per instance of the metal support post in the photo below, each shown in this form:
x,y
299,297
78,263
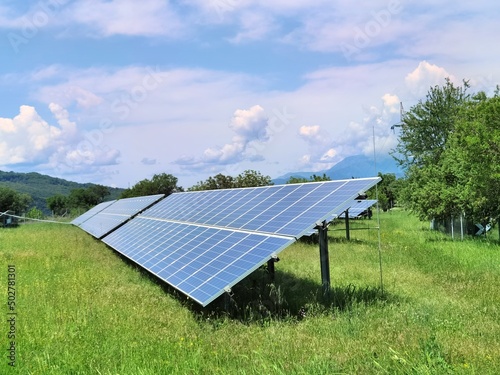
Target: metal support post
x,y
270,268
323,255
347,231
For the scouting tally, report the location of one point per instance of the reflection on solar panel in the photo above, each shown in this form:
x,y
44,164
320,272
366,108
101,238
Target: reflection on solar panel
x,y
116,214
202,243
87,215
358,207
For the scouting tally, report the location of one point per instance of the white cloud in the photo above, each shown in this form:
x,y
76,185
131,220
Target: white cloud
x,y
251,128
125,17
426,75
27,139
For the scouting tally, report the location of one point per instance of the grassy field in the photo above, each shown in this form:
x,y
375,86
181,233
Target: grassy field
x,y
82,309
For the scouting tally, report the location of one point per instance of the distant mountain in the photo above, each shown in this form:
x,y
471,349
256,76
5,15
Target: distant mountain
x,y
41,187
356,166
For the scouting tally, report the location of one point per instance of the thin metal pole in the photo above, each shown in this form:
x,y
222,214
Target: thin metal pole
x,y
378,216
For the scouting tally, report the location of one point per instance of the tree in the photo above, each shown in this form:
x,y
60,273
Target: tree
x,y
431,186
12,200
427,125
99,192
450,148
474,156
160,184
58,204
388,191
313,178
252,178
249,178
219,181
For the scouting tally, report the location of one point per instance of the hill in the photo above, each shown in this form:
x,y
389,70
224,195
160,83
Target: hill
x,y
356,166
41,187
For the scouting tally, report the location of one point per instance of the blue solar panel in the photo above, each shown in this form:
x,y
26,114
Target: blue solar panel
x,y
358,207
289,210
200,261
114,215
203,243
94,210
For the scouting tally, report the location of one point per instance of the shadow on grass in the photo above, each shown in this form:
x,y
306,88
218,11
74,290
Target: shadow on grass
x,y
258,300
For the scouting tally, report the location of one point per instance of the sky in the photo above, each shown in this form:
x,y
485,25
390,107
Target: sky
x,y
115,91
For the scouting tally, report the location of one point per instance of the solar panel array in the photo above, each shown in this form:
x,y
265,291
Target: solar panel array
x,y
111,216
202,243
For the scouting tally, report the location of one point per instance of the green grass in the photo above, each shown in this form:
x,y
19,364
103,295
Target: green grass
x,y
82,309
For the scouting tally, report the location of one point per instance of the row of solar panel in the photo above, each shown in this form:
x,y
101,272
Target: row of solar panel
x,y
203,243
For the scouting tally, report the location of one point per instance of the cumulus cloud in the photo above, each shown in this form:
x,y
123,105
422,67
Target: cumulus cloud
x,y
321,153
424,76
252,130
28,139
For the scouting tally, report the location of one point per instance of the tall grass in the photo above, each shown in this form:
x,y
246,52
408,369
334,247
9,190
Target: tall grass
x,y
82,309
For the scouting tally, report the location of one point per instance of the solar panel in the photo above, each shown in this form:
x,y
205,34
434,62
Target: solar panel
x,y
94,210
202,243
288,210
200,261
116,214
358,207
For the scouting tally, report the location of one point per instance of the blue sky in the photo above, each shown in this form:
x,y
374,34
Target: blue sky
x,y
115,91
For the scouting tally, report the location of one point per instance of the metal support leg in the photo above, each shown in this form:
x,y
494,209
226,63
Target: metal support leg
x,y
324,259
347,231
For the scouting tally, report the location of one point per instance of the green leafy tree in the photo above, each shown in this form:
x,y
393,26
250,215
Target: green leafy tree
x,y
160,184
473,154
12,200
427,125
58,204
34,213
431,187
219,181
99,192
388,191
313,178
82,199
249,178
252,178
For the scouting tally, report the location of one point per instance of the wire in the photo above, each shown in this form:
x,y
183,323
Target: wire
x,y
29,218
